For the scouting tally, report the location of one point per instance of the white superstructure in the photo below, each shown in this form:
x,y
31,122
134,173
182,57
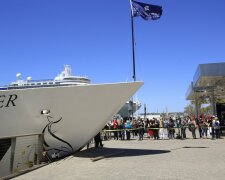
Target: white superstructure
x,y
64,78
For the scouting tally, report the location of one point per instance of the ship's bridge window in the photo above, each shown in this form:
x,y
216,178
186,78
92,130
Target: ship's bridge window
x,y
32,84
44,83
38,83
70,79
50,83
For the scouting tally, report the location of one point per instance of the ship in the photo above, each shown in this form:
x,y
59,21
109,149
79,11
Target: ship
x,y
68,110
129,108
66,78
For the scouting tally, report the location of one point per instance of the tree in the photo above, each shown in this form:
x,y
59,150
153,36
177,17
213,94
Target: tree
x,y
189,110
206,110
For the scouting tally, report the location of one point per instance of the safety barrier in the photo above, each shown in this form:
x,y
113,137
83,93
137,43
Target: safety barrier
x,y
162,133
19,153
133,129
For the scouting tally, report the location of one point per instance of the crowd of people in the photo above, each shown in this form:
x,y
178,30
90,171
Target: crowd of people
x,y
163,128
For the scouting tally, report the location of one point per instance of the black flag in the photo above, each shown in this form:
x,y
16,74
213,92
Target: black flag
x,y
146,11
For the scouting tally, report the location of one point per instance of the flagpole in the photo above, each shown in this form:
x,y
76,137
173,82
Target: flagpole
x,y
133,41
147,12
133,53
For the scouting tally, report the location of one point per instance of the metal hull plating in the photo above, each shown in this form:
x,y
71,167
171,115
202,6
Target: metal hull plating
x,y
77,113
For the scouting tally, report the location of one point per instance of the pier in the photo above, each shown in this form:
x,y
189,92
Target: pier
x,y
148,159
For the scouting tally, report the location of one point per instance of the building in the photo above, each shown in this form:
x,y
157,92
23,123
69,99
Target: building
x,y
209,83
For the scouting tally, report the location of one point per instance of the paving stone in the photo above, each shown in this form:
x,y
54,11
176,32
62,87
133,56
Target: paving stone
x,y
198,159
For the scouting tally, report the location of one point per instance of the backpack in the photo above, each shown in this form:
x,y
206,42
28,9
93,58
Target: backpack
x,y
217,125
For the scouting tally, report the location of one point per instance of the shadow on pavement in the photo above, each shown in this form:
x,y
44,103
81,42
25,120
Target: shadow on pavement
x,y
195,147
117,152
186,147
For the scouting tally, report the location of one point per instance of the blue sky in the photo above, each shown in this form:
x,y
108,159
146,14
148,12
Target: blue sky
x,y
37,37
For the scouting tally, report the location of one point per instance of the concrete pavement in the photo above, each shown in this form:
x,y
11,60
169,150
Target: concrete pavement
x,y
148,159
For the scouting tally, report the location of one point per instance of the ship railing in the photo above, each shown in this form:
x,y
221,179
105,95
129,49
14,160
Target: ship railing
x,y
33,86
19,154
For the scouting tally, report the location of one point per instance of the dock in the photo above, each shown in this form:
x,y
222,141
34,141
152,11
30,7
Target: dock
x,y
198,159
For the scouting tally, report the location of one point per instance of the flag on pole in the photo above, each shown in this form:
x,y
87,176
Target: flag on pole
x,y
146,11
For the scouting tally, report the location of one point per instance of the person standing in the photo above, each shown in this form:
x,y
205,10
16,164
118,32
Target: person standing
x,y
217,128
134,126
171,129
150,130
141,129
98,140
115,127
204,129
123,131
192,126
183,126
212,124
120,128
198,125
156,132
128,127
161,129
